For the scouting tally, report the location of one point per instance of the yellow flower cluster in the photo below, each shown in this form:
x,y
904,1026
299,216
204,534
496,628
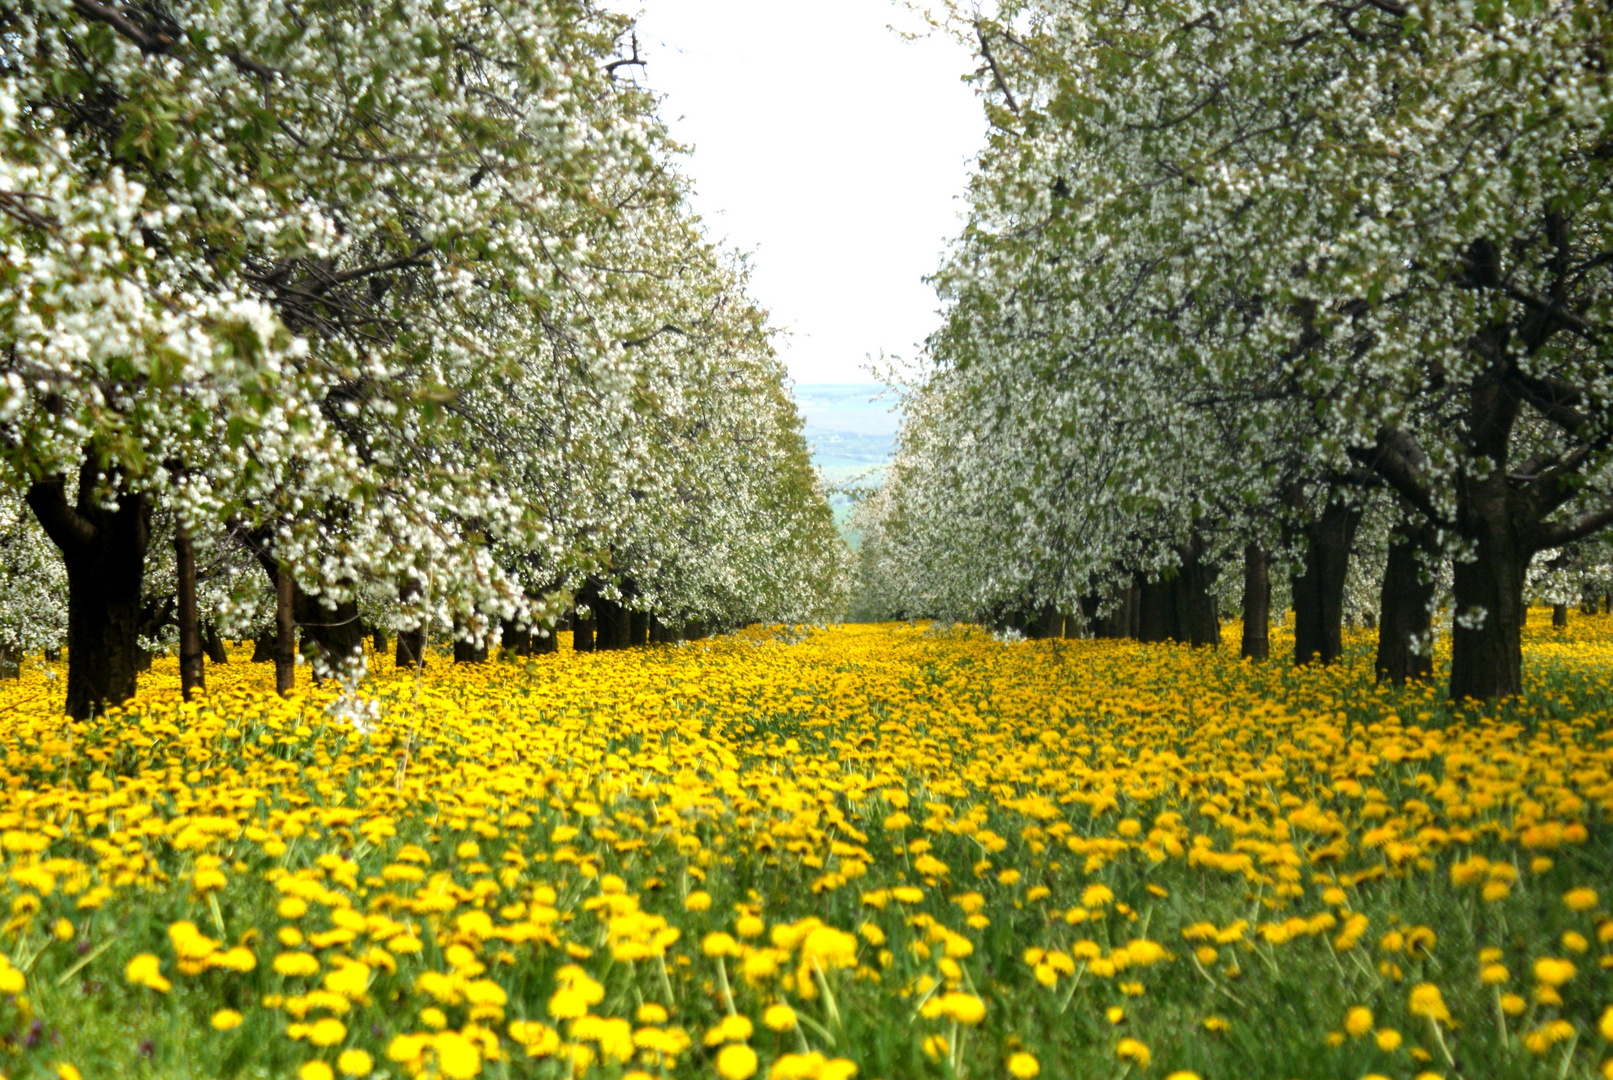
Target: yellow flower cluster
x,y
865,851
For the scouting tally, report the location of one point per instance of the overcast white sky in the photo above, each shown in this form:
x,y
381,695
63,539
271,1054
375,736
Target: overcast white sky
x,y
832,150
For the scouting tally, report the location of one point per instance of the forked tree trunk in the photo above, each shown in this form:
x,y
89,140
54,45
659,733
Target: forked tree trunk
x,y
1319,590
1405,625
1256,644
105,555
191,674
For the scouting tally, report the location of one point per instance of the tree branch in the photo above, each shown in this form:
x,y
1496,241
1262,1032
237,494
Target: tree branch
x,y
1554,399
149,41
1395,457
67,528
996,73
1567,533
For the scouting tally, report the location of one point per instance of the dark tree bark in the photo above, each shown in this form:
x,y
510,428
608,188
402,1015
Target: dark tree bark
x,y
263,647
1199,613
545,641
1156,610
1487,652
378,637
1318,591
612,624
639,627
1559,615
466,652
1179,605
582,633
213,645
105,556
1406,623
513,640
1487,635
10,662
191,674
585,632
411,650
285,631
1256,644
332,634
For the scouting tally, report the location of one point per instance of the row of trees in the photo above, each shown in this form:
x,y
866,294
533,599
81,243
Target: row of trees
x,y
1258,283
323,316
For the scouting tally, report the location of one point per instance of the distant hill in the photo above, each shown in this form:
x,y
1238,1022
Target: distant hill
x,y
851,428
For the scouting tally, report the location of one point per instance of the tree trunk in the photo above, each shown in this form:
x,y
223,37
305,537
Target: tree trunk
x,y
1256,643
545,640
105,555
582,632
378,636
1405,638
1200,618
512,640
332,635
1179,607
191,673
263,647
411,648
411,651
610,619
466,652
1319,590
1559,615
213,645
1486,638
1156,610
285,631
639,627
10,662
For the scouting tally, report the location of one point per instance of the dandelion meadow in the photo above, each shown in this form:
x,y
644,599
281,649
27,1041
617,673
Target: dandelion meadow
x,y
872,851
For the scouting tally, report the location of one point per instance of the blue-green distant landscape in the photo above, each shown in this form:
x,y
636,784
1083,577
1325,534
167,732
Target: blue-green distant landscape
x,y
851,428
